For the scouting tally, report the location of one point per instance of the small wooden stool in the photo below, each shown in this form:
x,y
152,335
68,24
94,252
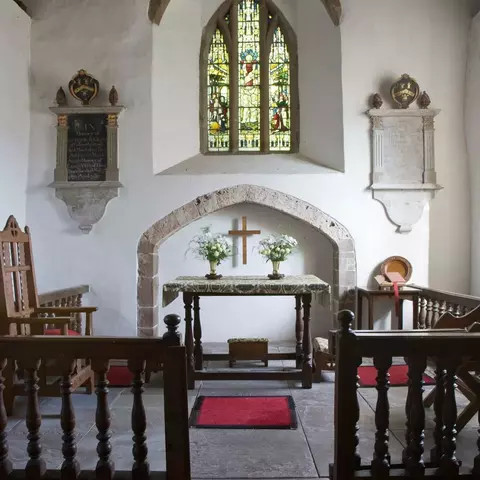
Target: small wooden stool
x,y
323,354
247,349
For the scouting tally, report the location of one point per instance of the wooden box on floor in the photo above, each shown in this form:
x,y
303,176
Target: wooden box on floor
x,y
247,349
324,355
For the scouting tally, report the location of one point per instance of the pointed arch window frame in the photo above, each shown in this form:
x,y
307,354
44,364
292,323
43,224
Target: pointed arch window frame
x,y
230,35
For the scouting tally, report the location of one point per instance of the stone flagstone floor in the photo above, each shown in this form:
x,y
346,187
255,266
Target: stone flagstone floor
x,y
304,453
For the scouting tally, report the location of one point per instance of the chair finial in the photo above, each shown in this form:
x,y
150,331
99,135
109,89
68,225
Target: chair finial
x,y
12,226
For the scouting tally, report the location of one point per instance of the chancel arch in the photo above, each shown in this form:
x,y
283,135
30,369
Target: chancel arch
x,y
344,258
249,80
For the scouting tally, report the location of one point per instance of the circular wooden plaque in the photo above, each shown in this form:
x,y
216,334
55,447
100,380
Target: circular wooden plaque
x,y
397,264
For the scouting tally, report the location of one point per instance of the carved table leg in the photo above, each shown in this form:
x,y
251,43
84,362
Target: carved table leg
x,y
370,313
400,314
197,332
415,312
298,331
307,368
359,311
187,300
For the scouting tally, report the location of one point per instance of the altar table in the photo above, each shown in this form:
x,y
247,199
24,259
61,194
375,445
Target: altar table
x,y
302,287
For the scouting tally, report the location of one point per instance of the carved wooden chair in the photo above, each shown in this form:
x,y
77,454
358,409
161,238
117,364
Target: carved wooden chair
x,y
21,314
468,381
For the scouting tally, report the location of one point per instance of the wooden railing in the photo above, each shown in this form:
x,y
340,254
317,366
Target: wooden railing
x,y
141,353
433,304
67,297
449,348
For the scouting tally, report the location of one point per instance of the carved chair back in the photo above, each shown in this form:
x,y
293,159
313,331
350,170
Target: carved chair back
x,y
18,290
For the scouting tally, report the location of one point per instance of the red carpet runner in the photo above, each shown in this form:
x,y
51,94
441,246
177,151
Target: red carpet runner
x,y
398,376
244,412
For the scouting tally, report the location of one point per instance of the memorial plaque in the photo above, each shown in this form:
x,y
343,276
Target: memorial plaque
x,y
87,147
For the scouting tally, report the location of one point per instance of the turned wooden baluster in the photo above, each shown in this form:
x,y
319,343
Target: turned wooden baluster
x,y
449,465
437,451
476,462
70,467
381,456
428,318
443,307
422,314
408,407
105,467
347,411
197,332
415,463
141,467
5,463
36,466
78,316
435,312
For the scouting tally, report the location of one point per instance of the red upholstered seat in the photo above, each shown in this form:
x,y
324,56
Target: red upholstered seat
x,y
57,331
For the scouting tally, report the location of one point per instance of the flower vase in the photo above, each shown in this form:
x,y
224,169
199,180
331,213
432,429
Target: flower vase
x,y
276,275
213,271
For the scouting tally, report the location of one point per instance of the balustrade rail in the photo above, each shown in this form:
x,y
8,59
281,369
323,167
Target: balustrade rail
x,y
449,348
433,304
141,354
68,297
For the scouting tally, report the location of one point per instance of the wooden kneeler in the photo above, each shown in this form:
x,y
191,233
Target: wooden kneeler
x,y
21,314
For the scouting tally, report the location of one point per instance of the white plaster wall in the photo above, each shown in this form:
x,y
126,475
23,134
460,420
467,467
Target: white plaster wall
x,y
225,317
450,211
117,48
177,141
431,46
472,120
14,110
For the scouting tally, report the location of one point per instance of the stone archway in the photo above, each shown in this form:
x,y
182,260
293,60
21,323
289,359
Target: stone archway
x,y
344,261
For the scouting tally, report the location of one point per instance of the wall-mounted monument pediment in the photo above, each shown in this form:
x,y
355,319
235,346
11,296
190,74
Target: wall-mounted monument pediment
x,y
403,148
86,175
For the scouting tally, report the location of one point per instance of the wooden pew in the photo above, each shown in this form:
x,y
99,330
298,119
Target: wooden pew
x,y
141,353
451,347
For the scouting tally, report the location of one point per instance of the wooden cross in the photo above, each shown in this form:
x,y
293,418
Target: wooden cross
x,y
244,233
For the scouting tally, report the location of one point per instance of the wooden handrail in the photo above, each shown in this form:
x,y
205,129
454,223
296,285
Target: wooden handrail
x,y
67,297
432,304
141,354
450,349
469,301
58,295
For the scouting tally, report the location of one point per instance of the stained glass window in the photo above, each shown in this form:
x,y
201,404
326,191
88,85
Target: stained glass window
x,y
249,102
218,95
279,67
249,74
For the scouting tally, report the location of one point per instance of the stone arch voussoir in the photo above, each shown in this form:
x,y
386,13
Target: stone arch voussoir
x,y
344,262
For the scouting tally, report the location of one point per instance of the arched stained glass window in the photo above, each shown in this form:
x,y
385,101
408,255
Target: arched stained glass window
x,y
249,95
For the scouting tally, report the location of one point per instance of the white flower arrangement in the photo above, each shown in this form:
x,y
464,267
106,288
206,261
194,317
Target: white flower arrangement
x,y
213,247
277,248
